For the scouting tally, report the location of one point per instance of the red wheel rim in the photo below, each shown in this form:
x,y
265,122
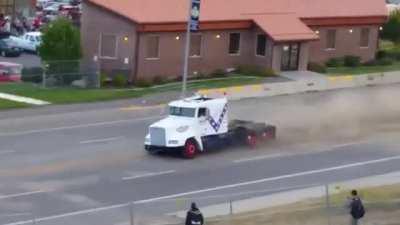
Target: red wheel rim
x,y
190,150
252,140
266,135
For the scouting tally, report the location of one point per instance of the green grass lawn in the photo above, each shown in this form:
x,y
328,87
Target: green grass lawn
x,y
335,71
5,104
74,95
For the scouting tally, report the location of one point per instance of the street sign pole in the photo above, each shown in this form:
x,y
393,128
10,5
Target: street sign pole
x,y
192,25
186,54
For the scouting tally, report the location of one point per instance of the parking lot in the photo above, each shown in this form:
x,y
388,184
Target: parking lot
x,y
28,60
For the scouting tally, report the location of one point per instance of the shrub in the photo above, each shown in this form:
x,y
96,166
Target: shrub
x,y
218,73
119,80
381,54
270,72
34,74
253,70
104,79
157,80
385,62
334,62
316,67
352,61
372,62
393,54
202,76
142,83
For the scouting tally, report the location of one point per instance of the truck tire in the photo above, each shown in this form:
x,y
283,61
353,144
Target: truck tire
x,y
190,149
252,139
269,133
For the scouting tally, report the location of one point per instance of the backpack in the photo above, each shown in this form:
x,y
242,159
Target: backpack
x,y
357,209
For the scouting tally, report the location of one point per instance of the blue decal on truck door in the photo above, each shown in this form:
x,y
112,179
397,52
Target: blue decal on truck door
x,y
217,124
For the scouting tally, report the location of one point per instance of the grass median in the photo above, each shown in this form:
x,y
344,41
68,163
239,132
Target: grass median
x,y
6,104
75,95
382,207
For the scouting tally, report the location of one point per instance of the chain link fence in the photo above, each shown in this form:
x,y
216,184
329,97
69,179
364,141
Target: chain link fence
x,y
77,74
296,205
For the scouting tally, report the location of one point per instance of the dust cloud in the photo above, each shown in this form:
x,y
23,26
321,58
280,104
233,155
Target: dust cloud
x,y
339,115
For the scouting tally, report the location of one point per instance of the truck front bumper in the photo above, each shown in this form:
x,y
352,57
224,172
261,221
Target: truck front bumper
x,y
159,149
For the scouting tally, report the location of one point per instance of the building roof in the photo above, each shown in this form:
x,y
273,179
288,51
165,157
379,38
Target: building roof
x,y
293,29
283,15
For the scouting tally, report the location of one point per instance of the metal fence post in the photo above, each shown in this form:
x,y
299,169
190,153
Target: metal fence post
x,y
230,207
44,77
328,204
131,213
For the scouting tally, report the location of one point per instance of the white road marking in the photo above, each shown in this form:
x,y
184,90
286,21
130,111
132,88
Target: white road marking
x,y
22,194
15,214
76,126
305,173
7,152
348,144
22,99
148,175
260,157
100,140
310,172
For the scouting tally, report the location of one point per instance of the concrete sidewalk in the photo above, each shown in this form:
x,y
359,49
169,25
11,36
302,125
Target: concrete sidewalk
x,y
304,76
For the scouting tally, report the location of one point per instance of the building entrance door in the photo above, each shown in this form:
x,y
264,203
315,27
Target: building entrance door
x,y
290,56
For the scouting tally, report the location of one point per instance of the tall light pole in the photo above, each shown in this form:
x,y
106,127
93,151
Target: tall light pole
x,y
192,25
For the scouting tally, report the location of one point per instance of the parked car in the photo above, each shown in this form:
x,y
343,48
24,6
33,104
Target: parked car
x,y
10,72
8,48
29,41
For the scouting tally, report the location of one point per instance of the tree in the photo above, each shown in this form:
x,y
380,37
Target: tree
x,y
61,51
60,41
391,30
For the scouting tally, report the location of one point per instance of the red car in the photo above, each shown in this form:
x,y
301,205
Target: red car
x,y
10,72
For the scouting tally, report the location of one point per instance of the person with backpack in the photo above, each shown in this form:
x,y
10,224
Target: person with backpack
x,y
357,210
194,216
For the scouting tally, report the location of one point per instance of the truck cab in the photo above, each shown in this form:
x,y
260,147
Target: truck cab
x,y
196,124
189,121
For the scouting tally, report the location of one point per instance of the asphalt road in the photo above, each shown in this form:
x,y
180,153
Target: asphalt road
x,y
82,165
28,60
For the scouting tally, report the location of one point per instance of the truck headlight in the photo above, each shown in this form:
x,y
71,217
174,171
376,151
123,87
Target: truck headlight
x,y
182,129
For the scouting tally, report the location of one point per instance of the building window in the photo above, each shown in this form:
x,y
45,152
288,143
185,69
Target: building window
x,y
153,47
261,44
364,37
234,44
108,46
331,39
195,45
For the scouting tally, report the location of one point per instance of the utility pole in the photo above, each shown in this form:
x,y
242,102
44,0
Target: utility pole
x,y
192,25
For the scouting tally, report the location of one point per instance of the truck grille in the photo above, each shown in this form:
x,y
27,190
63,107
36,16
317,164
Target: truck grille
x,y
157,136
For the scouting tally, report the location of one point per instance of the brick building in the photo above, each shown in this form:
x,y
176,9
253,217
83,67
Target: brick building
x,y
145,38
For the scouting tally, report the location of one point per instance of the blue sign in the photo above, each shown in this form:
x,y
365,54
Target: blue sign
x,y
194,16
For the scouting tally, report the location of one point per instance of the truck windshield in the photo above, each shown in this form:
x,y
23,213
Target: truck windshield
x,y
181,111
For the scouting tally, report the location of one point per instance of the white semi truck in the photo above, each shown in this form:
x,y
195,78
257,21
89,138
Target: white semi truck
x,y
198,123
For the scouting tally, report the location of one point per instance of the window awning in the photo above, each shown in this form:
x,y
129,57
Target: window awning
x,y
284,27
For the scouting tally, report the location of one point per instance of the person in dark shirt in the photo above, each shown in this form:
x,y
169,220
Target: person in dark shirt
x,y
194,216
